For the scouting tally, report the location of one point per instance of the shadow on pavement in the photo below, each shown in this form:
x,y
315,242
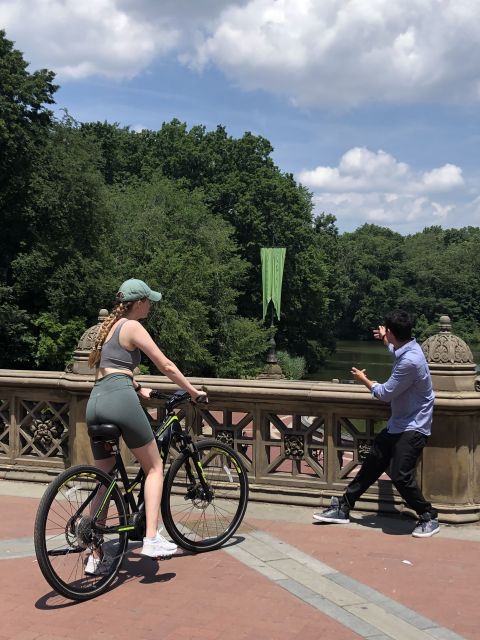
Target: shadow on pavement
x,y
144,570
234,540
396,526
134,567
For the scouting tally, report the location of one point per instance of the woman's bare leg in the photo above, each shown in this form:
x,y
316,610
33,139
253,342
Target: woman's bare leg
x,y
149,458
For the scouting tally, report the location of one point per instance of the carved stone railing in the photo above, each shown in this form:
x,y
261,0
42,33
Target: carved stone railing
x,y
301,441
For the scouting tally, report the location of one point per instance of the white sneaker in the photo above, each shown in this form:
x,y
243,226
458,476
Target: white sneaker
x,y
167,544
98,567
158,547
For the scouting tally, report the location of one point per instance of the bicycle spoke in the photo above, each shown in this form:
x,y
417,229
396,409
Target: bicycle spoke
x,y
66,536
204,511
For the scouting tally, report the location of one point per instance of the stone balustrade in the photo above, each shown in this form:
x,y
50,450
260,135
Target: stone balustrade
x,y
301,441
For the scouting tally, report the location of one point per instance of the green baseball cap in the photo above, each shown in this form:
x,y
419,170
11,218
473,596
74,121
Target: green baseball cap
x,y
134,289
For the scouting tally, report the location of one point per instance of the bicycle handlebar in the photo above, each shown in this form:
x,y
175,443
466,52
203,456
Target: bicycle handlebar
x,y
177,398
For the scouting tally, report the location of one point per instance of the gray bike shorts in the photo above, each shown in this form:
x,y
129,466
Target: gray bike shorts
x,y
113,400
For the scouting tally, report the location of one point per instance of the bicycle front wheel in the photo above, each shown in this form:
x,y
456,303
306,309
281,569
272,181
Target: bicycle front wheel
x,y
78,544
201,515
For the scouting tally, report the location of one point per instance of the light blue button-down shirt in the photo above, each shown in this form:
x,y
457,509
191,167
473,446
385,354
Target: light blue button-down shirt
x,y
408,390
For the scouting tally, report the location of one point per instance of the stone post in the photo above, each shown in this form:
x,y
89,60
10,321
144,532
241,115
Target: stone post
x,y
84,346
80,451
273,370
449,472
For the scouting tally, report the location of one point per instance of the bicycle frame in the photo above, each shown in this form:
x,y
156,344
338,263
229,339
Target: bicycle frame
x,y
91,514
169,431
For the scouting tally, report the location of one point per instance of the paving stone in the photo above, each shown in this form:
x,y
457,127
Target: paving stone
x,y
16,548
241,583
261,550
440,633
293,552
389,624
255,563
357,587
317,583
407,614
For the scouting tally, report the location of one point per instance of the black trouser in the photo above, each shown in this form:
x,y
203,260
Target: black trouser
x,y
396,453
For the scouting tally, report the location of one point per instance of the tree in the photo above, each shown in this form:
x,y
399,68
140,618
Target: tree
x,y
65,265
239,183
56,341
372,257
17,340
166,236
25,123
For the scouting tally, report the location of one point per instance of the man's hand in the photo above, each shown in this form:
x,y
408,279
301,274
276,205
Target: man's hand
x,y
359,374
380,333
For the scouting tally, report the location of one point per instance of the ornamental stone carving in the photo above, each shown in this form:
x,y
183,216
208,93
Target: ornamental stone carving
x,y
45,432
84,346
227,437
294,446
450,360
444,347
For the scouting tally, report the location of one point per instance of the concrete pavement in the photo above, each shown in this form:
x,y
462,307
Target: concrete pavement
x,y
282,576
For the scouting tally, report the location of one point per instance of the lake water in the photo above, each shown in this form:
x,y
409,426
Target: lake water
x,y
370,355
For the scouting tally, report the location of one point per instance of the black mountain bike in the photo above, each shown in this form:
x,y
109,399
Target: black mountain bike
x,y
86,510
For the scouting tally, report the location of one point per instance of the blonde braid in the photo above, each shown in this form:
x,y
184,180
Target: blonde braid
x,y
118,312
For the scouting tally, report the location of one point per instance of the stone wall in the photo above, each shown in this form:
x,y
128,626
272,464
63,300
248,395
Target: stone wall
x,y
301,441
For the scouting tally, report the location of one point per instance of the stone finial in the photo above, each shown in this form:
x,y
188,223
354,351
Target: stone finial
x,y
273,370
450,359
84,346
444,324
446,348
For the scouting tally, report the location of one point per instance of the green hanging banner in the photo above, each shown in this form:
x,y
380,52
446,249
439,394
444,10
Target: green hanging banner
x,y
272,275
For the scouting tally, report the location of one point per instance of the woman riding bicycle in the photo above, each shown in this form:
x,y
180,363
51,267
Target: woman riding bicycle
x,y
115,399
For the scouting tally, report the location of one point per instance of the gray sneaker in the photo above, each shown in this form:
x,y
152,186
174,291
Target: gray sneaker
x,y
334,514
426,527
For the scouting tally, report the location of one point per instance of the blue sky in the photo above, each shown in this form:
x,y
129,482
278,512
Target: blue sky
x,y
372,104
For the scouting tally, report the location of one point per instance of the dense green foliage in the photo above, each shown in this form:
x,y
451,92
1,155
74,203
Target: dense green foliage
x,y
293,367
430,273
85,206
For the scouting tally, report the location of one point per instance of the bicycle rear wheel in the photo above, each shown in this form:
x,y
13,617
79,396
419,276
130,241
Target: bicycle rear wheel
x,y
66,536
200,519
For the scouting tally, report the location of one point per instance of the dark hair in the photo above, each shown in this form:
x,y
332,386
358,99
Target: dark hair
x,y
400,324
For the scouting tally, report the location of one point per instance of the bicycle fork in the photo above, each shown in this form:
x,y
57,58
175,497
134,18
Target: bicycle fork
x,y
193,490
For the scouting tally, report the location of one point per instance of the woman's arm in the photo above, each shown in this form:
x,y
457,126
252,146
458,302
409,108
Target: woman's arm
x,y
139,337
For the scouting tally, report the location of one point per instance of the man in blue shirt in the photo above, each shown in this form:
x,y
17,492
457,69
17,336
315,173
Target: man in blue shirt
x,y
398,447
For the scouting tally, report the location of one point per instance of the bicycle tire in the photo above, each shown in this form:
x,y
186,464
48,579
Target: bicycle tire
x,y
185,505
63,535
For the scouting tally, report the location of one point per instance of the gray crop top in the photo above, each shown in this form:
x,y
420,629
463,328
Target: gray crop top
x,y
114,356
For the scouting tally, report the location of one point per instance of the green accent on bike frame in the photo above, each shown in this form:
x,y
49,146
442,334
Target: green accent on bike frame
x,y
130,489
224,453
129,528
162,427
107,496
203,472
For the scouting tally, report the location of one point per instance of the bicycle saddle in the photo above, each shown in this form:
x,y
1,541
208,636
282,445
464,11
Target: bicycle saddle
x,y
104,431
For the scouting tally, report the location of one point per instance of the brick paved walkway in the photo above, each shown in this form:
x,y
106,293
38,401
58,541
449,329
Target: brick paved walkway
x,y
285,578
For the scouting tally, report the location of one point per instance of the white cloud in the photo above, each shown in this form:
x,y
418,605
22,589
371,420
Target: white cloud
x,y
373,186
346,52
360,170
80,39
443,179
322,54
